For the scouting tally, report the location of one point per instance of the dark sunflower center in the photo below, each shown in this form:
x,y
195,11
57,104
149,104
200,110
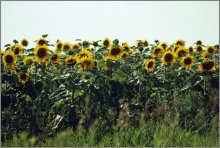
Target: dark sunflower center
x,y
164,46
210,50
199,48
115,51
41,42
208,65
187,61
157,51
199,42
16,51
168,57
126,48
41,53
181,53
87,63
59,46
29,61
190,49
124,55
145,43
106,43
24,43
179,43
66,47
150,64
85,44
71,61
9,59
23,76
54,57
175,49
83,55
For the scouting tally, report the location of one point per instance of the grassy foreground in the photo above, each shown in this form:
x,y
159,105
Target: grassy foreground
x,y
147,135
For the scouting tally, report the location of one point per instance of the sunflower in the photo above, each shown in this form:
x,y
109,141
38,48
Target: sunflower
x,y
17,49
139,43
76,46
208,65
85,44
175,48
180,42
127,48
70,60
59,45
85,53
55,58
190,49
115,52
164,45
86,63
9,60
24,42
168,58
157,51
187,62
149,64
210,50
106,42
66,46
199,49
124,55
199,42
145,43
28,60
41,53
42,42
23,77
181,52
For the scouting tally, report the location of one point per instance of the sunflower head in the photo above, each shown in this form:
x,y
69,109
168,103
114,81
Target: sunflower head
x,y
70,60
175,48
210,50
66,46
149,64
181,52
199,42
127,48
164,45
145,43
115,52
157,51
106,42
41,53
208,65
190,49
42,42
180,42
199,49
86,64
187,62
17,49
86,44
55,58
76,46
59,45
24,42
23,77
84,53
28,60
168,58
139,43
9,60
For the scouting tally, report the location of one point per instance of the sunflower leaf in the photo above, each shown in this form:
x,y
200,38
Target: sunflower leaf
x,y
15,41
7,45
44,35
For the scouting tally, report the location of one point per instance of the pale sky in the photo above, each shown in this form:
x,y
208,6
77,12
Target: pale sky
x,y
126,20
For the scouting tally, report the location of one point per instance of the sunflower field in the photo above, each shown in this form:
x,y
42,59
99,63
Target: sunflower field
x,y
108,86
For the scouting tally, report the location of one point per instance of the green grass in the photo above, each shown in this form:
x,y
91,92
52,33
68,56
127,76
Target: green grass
x,y
146,135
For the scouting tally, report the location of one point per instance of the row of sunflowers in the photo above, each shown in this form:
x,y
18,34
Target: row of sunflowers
x,y
85,55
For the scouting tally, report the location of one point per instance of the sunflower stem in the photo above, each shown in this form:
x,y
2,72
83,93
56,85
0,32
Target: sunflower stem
x,y
35,76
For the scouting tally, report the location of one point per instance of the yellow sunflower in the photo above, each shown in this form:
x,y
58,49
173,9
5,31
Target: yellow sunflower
x,y
76,46
23,77
190,49
28,60
208,65
149,64
139,43
210,50
70,60
106,42
84,53
187,61
9,60
199,49
55,58
175,48
181,52
24,42
41,53
199,42
59,46
127,48
145,43
86,63
168,58
115,52
164,45
66,46
42,42
157,51
180,42
17,49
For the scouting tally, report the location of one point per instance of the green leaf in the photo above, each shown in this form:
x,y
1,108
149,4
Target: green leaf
x,y
152,95
44,35
155,88
15,41
7,45
186,87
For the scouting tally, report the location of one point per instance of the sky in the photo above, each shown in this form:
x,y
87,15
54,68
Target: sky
x,y
127,21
